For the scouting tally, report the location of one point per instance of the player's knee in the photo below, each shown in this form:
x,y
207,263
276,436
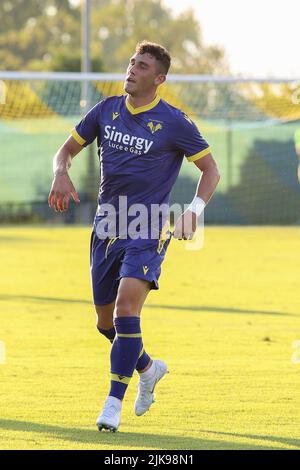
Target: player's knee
x,y
124,308
104,315
104,323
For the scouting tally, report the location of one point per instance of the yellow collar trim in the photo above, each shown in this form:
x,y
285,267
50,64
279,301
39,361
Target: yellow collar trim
x,y
142,109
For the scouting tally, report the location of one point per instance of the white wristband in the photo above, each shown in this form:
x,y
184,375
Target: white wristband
x,y
197,205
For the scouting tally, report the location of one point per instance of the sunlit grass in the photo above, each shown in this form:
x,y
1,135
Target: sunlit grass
x,y
224,320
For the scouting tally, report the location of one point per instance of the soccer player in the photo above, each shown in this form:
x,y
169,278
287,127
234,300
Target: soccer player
x,y
142,141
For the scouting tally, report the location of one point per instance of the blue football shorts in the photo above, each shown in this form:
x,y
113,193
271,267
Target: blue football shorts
x,y
113,258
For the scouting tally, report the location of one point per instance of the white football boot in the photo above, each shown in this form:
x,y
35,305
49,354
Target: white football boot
x,y
110,417
146,386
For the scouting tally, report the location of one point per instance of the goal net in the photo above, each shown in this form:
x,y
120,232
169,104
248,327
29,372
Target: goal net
x,y
251,125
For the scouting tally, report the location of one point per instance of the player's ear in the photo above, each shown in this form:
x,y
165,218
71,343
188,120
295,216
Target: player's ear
x,y
161,78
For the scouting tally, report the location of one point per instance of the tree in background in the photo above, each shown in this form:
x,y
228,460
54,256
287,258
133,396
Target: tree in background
x,y
46,35
33,32
120,24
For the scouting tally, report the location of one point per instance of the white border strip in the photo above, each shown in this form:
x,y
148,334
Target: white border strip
x,y
103,77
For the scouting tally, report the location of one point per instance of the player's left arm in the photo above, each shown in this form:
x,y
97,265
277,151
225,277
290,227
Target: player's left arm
x,y
186,225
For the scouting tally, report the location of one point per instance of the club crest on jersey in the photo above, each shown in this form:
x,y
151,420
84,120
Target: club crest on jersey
x,y
154,127
115,115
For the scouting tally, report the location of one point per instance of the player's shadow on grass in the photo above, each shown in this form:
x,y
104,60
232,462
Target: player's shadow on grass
x,y
192,308
37,298
215,309
11,239
277,440
138,440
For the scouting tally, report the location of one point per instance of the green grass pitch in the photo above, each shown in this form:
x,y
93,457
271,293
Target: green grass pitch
x,y
225,320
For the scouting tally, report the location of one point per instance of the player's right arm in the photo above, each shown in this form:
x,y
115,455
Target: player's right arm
x,y
82,135
62,187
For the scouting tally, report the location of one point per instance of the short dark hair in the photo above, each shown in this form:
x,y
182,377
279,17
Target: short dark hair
x,y
159,52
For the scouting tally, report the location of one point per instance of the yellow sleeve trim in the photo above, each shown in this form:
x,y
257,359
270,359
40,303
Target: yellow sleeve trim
x,y
198,155
77,137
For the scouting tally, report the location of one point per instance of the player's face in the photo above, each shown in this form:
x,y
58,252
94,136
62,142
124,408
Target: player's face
x,y
143,75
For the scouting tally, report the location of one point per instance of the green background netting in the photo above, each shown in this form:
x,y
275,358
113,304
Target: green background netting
x,y
251,128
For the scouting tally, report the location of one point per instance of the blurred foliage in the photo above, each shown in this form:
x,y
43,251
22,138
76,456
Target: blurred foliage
x,y
46,35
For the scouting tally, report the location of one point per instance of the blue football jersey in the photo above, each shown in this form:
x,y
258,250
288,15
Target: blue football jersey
x,y
140,150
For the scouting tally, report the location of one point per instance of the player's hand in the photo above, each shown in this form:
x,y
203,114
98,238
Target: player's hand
x,y
185,226
61,190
